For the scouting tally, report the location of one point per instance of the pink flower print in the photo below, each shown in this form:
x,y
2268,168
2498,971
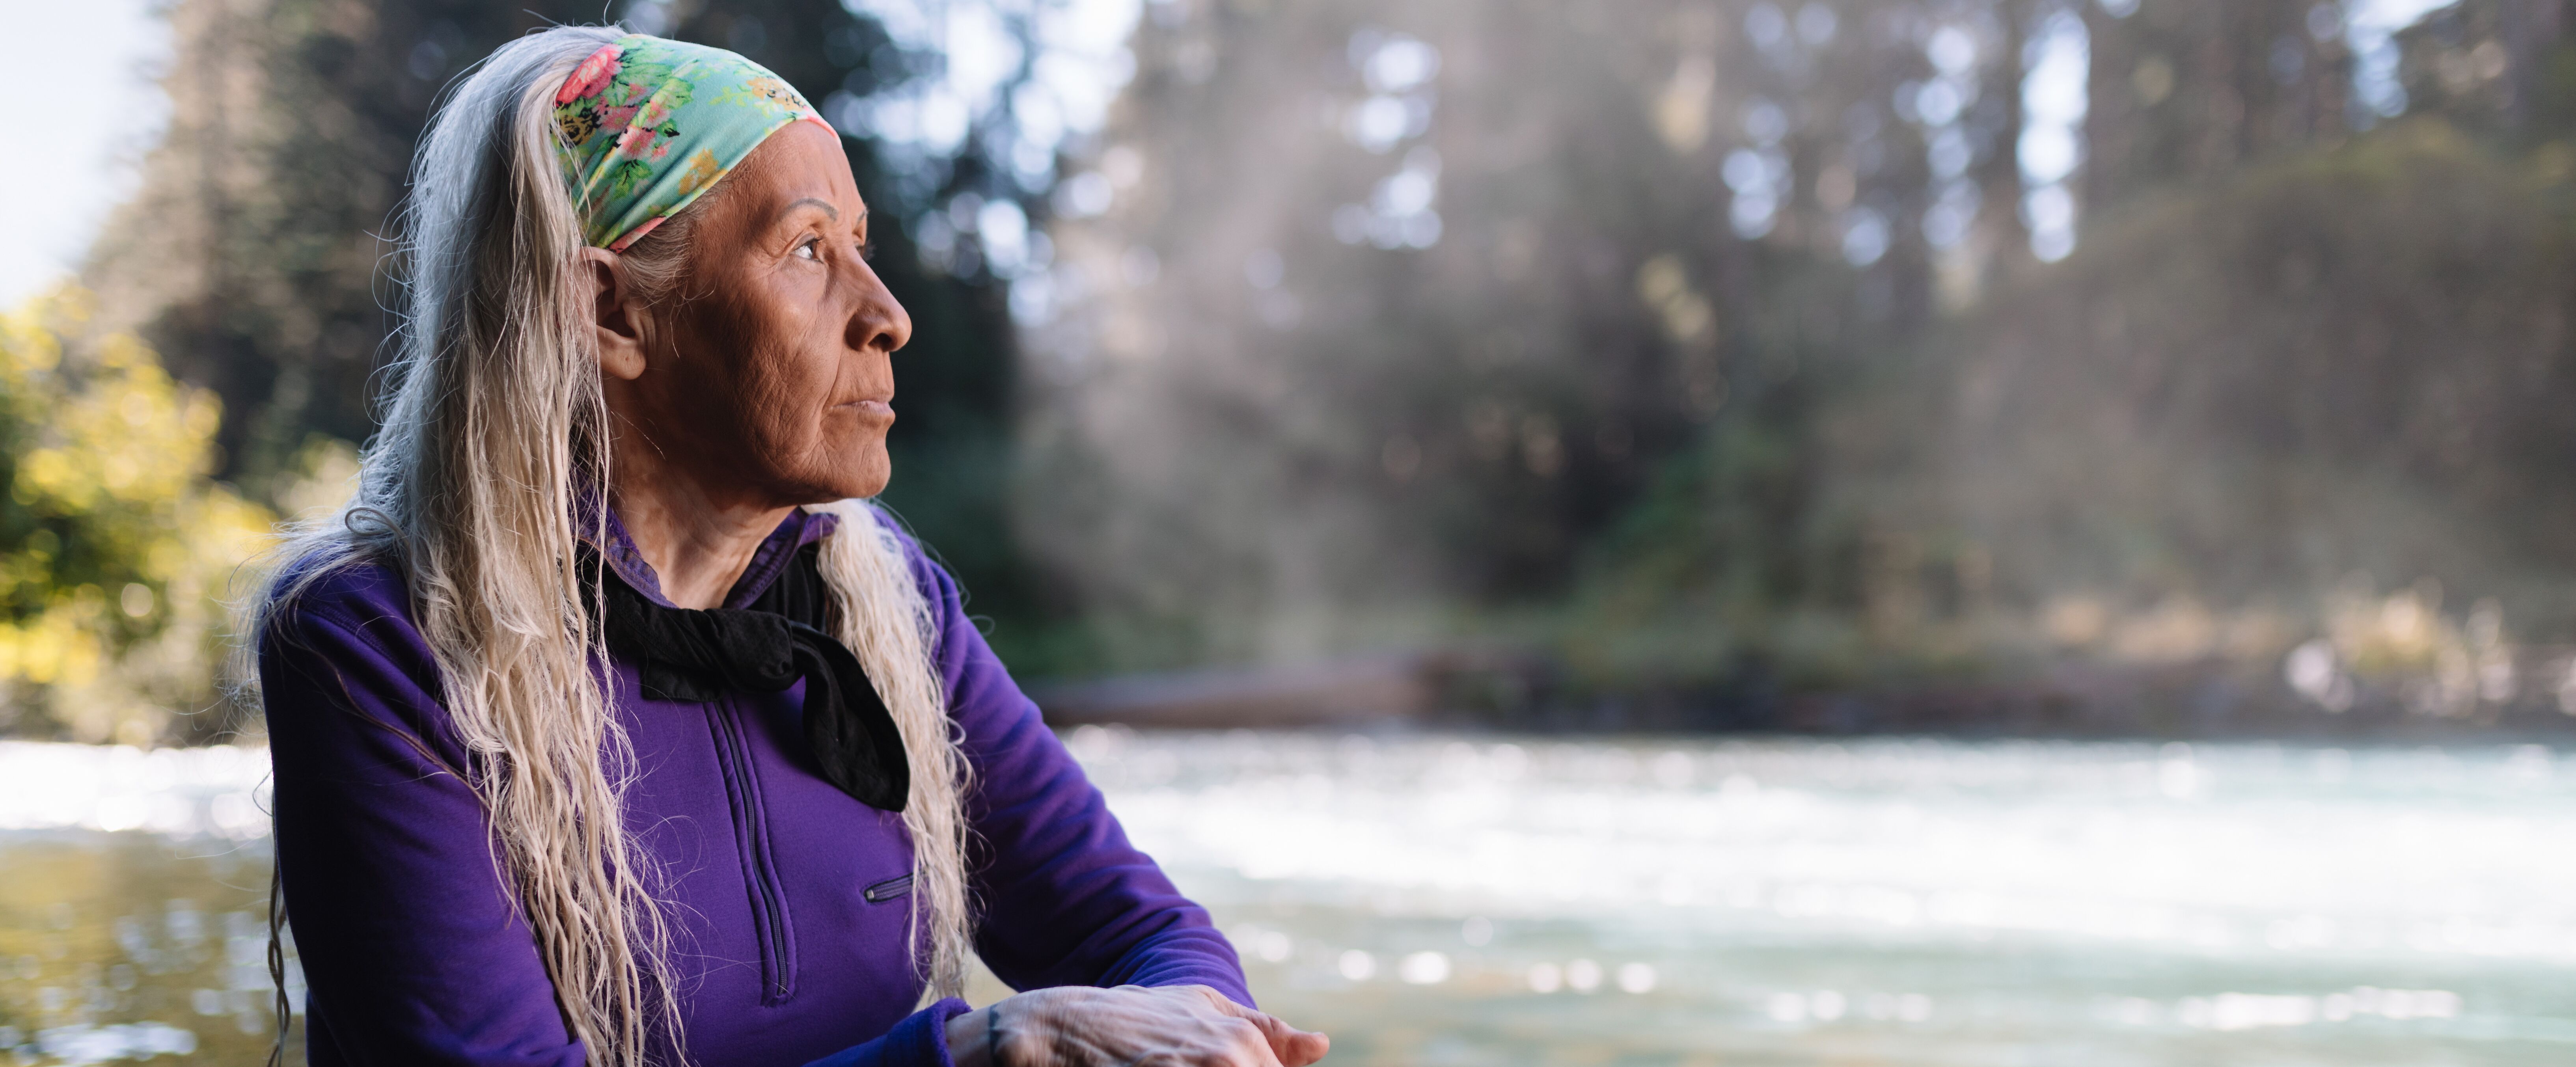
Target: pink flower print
x,y
592,75
633,143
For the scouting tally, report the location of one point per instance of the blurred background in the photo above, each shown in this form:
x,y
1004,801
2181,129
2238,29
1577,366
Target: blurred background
x,y
1853,531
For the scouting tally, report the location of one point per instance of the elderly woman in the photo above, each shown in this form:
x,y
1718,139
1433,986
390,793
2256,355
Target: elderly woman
x,y
609,725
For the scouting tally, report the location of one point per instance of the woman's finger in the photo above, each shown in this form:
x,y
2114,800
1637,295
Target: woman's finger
x,y
1293,1047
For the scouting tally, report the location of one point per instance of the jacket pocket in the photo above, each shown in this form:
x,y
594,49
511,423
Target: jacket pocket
x,y
890,889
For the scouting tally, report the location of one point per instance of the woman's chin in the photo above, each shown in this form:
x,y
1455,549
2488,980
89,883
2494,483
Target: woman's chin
x,y
852,473
866,489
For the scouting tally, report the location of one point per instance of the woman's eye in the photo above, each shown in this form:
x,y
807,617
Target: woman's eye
x,y
809,250
867,251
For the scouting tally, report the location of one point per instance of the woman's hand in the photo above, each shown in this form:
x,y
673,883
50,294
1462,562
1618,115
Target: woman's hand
x,y
1171,1026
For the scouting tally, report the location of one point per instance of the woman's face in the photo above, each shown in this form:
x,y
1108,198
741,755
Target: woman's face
x,y
768,373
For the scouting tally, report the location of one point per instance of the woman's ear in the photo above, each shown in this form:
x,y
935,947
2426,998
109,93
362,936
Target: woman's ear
x,y
613,322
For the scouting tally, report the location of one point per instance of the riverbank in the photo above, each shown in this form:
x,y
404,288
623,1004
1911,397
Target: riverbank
x,y
2204,700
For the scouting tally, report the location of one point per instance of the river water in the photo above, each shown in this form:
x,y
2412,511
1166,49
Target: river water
x,y
1450,899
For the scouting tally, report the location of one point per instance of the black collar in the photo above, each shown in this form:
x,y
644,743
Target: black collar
x,y
693,655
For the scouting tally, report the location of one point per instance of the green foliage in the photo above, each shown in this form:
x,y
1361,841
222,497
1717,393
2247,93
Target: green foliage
x,y
2211,433
115,548
2352,359
1708,564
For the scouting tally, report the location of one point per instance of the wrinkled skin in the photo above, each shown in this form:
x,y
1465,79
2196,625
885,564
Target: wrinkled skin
x,y
1174,1026
768,383
769,380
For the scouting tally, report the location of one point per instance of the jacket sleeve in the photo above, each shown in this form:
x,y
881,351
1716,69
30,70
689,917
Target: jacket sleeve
x,y
1068,901
412,948
920,1040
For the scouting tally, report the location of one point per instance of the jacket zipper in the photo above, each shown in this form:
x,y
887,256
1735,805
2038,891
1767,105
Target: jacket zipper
x,y
759,867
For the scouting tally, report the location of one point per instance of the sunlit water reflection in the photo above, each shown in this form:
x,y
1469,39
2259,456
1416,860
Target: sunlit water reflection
x,y
1440,899
1437,899
133,905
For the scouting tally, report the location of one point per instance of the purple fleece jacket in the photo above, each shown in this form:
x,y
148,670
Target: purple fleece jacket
x,y
787,895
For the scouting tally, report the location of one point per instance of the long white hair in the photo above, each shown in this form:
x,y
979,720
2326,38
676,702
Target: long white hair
x,y
494,427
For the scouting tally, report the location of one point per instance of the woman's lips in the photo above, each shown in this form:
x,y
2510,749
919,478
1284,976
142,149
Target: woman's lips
x,y
877,408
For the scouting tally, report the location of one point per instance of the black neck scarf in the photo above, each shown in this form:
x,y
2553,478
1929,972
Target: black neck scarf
x,y
692,655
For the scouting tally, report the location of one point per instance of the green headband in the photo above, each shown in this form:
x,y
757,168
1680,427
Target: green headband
x,y
649,125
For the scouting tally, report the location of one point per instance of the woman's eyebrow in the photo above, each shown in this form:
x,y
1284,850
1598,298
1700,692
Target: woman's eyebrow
x,y
827,207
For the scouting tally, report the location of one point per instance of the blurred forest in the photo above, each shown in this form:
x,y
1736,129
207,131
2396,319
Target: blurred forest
x,y
1835,365
1669,363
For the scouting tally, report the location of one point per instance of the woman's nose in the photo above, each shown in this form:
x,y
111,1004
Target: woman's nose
x,y
879,321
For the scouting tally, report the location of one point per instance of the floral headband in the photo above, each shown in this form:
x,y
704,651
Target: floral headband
x,y
649,125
